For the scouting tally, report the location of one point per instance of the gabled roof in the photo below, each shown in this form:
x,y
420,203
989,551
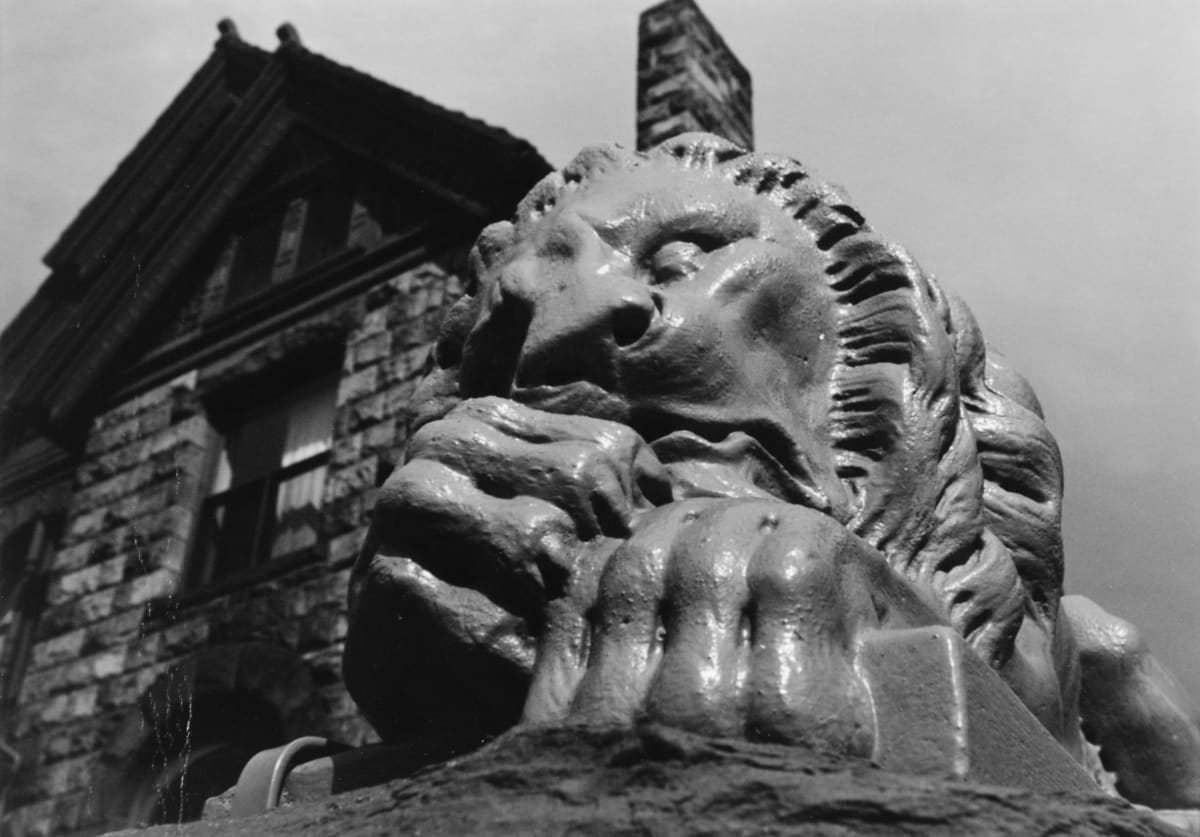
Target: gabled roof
x,y
120,255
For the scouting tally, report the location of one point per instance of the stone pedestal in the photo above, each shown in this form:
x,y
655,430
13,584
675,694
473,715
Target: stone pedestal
x,y
660,781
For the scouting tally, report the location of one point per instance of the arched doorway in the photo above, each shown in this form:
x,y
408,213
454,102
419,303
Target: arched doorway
x,y
195,750
198,725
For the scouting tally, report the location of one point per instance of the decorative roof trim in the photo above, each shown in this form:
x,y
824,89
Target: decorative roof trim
x,y
122,253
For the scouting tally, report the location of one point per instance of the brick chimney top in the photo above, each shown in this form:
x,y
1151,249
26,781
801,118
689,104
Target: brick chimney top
x,y
688,78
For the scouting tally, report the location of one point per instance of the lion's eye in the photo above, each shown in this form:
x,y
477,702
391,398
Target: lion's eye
x,y
676,260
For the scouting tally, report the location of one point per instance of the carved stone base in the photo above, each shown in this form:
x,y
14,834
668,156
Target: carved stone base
x,y
661,781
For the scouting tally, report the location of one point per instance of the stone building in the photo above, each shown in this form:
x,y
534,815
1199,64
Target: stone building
x,y
198,405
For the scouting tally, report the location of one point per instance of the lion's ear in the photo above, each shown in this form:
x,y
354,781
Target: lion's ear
x,y
456,327
491,244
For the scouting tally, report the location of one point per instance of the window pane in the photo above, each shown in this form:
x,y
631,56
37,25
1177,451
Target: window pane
x,y
268,482
309,425
223,478
256,447
255,257
297,512
230,531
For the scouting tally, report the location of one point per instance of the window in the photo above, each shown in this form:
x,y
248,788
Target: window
x,y
194,749
265,497
23,556
257,247
327,225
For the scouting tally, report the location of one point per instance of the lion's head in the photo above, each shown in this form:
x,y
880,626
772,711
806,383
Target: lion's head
x,y
697,292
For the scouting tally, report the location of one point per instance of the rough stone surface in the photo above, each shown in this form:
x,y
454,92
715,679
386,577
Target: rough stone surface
x,y
117,622
661,781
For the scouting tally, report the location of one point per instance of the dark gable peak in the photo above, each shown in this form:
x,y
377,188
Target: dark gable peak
x,y
131,245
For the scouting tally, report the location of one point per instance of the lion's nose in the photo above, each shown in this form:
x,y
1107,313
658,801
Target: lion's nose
x,y
631,322
579,328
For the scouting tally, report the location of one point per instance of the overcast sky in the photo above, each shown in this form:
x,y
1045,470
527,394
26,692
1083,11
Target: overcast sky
x,y
1041,158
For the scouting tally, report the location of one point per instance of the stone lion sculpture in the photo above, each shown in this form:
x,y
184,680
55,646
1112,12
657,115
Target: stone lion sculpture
x,y
694,430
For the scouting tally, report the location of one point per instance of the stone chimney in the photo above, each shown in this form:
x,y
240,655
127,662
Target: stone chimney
x,y
688,79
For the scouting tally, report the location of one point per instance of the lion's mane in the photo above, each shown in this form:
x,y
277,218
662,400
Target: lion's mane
x,y
943,450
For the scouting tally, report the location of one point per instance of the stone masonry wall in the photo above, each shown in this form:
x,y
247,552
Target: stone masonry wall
x,y
116,620
124,545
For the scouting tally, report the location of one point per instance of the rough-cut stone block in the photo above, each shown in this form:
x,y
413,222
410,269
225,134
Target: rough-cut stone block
x,y
402,284
362,413
353,480
57,649
99,666
352,730
439,295
86,580
169,553
193,431
73,675
345,547
332,587
124,691
118,628
325,665
345,515
114,488
338,700
94,606
346,450
320,627
296,601
380,436
72,739
413,304
357,385
407,365
186,636
117,415
175,521
69,705
373,323
150,586
75,557
399,398
425,332
86,525
147,500
146,648
185,403
38,685
184,459
133,430
36,820
60,777
372,349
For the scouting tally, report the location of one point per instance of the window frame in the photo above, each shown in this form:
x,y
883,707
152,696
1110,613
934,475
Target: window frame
x,y
24,605
264,490
209,563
